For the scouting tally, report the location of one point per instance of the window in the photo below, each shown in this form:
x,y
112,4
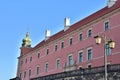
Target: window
x,y
37,70
71,41
47,51
80,68
81,56
21,63
108,49
38,55
29,73
62,45
46,67
56,47
90,32
70,60
89,51
24,74
26,61
106,25
30,59
20,75
89,66
58,63
80,36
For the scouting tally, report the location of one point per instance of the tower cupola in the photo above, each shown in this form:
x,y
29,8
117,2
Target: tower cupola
x,y
26,41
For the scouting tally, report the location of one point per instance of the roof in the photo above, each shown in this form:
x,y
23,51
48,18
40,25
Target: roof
x,y
84,21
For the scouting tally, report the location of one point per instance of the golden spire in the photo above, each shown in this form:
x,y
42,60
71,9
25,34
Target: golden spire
x,y
26,41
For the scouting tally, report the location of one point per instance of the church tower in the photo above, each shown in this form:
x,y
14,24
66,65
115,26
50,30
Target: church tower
x,y
26,44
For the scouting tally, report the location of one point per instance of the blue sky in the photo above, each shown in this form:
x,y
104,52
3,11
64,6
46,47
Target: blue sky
x,y
37,15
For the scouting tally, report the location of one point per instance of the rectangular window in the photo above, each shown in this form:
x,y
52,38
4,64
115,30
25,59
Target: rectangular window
x,y
89,32
57,63
80,56
106,25
26,61
71,41
30,59
37,70
47,51
70,60
89,51
21,63
89,66
46,67
55,47
29,73
20,75
108,49
24,74
62,45
38,55
80,36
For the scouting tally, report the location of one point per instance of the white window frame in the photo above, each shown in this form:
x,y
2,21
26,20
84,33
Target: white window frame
x,y
25,74
55,48
47,51
108,25
37,69
69,62
29,72
82,36
46,67
91,54
61,45
57,66
88,32
70,43
89,64
79,56
38,55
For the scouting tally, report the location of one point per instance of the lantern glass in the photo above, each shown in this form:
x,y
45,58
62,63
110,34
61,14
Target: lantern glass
x,y
112,44
98,39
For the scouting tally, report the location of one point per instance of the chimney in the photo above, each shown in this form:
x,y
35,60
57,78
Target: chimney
x,y
47,34
111,3
66,23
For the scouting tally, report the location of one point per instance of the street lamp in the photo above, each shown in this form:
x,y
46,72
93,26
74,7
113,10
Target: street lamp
x,y
111,44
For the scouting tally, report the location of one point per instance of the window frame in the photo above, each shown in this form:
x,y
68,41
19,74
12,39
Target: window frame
x,y
89,55
57,63
56,47
20,75
25,74
38,55
89,34
62,44
80,36
47,51
70,61
70,41
108,49
79,58
37,70
107,22
29,72
31,59
46,67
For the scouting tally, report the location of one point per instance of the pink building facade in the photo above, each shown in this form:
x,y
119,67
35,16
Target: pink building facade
x,y
74,47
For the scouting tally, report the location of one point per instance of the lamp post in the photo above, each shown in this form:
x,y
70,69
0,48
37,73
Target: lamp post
x,y
111,44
